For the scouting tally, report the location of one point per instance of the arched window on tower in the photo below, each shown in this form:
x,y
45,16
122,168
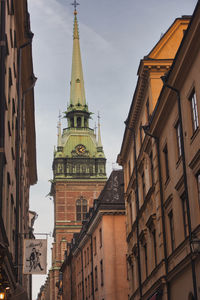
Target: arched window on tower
x,y
72,122
79,122
81,209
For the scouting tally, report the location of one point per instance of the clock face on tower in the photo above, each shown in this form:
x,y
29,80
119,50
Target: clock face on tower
x,y
80,149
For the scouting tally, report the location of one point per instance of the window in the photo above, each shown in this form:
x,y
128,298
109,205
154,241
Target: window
x,y
151,166
178,138
184,212
165,151
89,286
85,258
96,278
141,134
143,186
131,212
154,246
78,122
171,227
95,245
198,185
72,122
129,169
81,209
147,110
11,38
88,256
10,77
86,291
146,259
91,283
101,265
194,111
100,237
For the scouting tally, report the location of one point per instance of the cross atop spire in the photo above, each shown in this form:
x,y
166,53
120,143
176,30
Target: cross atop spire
x,y
75,4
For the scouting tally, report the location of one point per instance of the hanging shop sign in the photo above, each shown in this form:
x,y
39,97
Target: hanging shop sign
x,y
35,256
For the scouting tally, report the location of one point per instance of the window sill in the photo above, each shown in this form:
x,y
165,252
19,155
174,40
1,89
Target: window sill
x,y
195,133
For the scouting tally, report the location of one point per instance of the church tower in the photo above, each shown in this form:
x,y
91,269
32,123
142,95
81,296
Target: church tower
x,y
79,171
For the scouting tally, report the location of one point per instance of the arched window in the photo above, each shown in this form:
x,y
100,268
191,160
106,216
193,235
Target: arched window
x,y
81,209
79,122
72,122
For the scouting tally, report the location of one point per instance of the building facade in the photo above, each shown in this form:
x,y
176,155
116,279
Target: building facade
x,y
79,171
160,157
95,263
17,145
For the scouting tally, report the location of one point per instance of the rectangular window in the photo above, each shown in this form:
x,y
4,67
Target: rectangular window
x,y
85,258
184,212
91,284
131,212
100,237
178,138
101,265
141,134
198,186
11,38
95,245
146,259
151,166
147,110
171,227
143,187
194,110
129,169
88,255
154,246
165,151
88,286
96,278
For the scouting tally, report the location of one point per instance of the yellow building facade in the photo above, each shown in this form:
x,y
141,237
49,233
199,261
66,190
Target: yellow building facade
x,y
160,157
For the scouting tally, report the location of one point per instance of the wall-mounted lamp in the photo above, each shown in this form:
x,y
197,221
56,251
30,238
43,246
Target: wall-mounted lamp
x,y
195,245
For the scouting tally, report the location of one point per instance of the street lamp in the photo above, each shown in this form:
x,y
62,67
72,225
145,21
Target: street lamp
x,y
195,245
2,295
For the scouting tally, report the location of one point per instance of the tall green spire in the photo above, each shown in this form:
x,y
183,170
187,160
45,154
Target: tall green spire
x,y
77,90
79,154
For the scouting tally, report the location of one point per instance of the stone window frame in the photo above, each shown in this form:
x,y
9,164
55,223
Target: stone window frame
x,y
81,209
192,95
151,225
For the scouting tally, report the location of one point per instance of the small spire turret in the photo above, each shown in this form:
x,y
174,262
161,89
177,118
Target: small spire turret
x,y
99,143
59,141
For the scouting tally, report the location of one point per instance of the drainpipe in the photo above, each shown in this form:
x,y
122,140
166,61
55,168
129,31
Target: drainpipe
x,y
137,209
137,219
92,268
2,97
83,294
71,285
185,182
145,128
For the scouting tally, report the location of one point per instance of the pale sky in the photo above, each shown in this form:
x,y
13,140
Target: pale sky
x,y
114,36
